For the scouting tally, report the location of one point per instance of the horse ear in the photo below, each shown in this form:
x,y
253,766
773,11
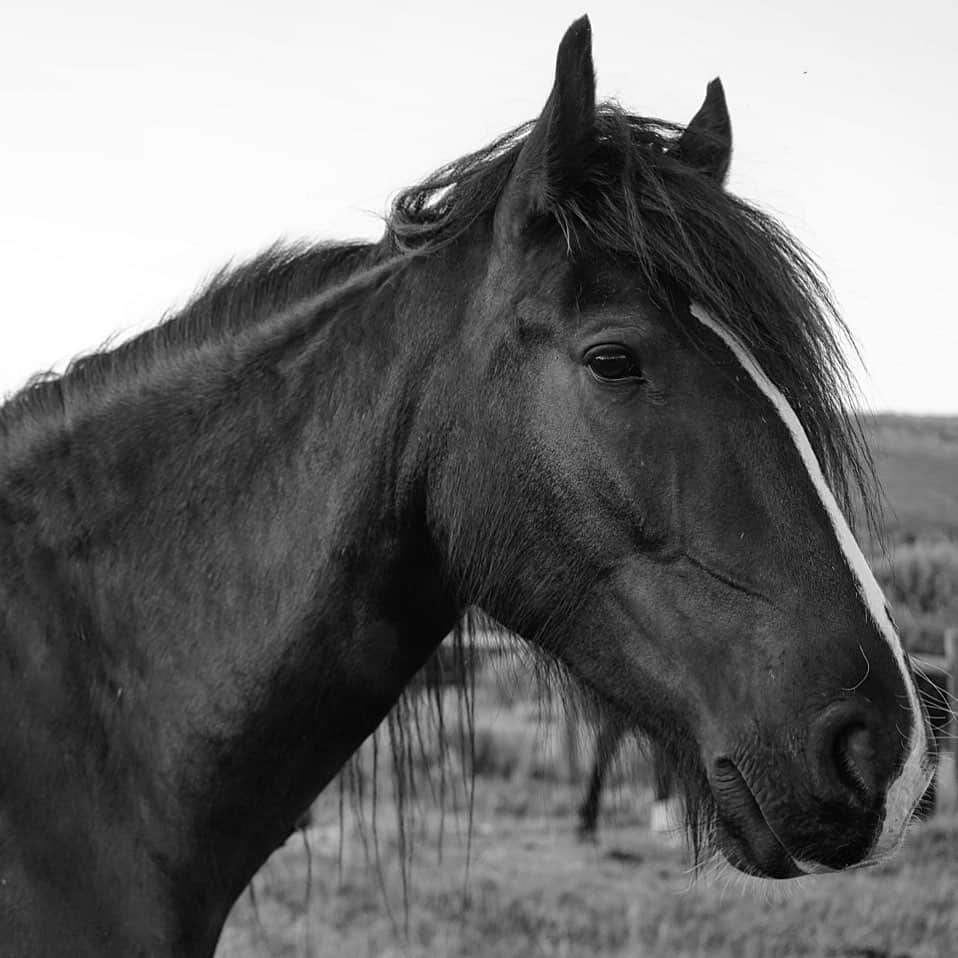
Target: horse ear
x,y
706,143
552,161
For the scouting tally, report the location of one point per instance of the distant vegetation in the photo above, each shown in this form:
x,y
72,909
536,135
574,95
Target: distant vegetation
x,y
917,462
920,580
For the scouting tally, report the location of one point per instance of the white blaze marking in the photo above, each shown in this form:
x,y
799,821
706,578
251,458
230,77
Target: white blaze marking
x,y
909,786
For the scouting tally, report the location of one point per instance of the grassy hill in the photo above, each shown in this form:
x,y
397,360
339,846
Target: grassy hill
x,y
917,460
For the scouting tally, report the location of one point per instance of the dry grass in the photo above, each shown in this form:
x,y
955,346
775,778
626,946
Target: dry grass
x,y
533,890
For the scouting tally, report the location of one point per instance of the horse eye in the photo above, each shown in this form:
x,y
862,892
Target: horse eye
x,y
613,363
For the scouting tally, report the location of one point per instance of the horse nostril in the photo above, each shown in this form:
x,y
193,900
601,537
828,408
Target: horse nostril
x,y
848,759
854,755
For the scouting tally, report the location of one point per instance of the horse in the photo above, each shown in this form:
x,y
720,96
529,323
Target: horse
x,y
577,384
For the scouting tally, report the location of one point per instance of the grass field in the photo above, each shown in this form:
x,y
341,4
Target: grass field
x,y
532,889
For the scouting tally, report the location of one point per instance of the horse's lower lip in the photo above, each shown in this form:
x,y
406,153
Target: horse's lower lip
x,y
742,854
744,834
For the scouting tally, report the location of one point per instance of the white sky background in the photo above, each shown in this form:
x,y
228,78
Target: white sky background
x,y
140,149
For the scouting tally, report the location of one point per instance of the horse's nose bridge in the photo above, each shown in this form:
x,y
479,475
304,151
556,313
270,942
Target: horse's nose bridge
x,y
770,527
864,719
774,510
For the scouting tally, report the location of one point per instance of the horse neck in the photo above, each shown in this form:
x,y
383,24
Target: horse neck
x,y
229,583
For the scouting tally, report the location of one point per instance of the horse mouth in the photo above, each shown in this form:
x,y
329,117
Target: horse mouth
x,y
743,833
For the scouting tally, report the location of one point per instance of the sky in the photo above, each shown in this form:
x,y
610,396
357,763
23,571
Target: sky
x,y
143,148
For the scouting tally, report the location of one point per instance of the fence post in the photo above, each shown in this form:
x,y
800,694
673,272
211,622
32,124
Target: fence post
x,y
951,664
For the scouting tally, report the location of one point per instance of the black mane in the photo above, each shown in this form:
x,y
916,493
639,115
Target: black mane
x,y
639,200
680,226
234,300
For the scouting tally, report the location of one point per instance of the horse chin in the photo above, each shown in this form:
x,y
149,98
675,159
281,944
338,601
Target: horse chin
x,y
765,857
743,834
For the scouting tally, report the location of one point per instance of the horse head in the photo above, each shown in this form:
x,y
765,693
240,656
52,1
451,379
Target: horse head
x,y
642,461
